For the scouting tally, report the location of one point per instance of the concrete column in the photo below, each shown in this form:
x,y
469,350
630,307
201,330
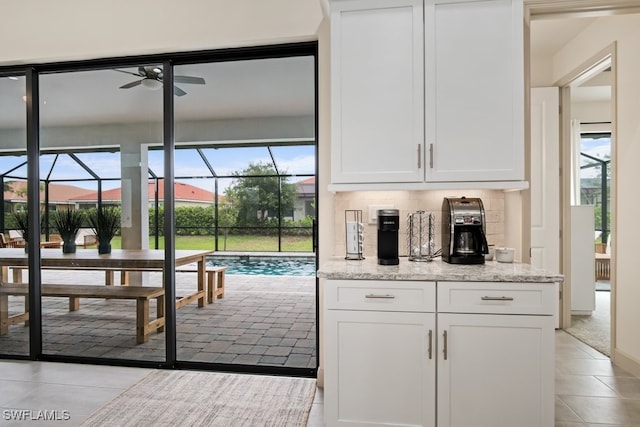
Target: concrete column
x,y
135,203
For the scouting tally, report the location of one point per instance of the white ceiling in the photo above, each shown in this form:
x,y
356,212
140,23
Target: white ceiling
x,y
548,36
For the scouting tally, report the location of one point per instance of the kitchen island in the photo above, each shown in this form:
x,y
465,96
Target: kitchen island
x,y
436,344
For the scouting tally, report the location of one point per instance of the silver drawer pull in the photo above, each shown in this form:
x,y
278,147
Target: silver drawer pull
x,y
385,296
497,298
445,351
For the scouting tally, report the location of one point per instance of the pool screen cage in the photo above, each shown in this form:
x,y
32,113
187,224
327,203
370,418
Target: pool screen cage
x,y
261,201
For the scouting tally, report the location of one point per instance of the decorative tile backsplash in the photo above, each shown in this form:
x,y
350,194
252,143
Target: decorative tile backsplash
x,y
408,202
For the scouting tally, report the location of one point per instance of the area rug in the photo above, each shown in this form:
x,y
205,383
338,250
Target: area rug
x,y
594,330
188,398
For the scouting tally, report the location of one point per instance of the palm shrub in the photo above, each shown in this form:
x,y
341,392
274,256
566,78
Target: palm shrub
x,y
22,221
67,223
105,223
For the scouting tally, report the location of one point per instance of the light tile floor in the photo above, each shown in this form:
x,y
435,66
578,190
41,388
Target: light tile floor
x,y
73,391
590,391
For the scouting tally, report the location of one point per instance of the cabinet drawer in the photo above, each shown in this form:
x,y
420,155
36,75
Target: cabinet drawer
x,y
380,295
496,298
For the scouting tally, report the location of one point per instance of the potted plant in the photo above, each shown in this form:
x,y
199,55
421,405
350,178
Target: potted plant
x,y
22,221
105,223
67,223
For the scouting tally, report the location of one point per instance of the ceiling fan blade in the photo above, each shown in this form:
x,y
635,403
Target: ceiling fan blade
x,y
178,92
132,84
189,79
128,72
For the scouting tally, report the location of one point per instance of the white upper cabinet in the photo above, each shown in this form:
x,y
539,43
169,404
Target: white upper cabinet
x,y
377,89
474,90
427,94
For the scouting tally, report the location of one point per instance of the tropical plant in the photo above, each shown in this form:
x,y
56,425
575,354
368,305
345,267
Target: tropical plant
x,y
22,221
67,223
105,223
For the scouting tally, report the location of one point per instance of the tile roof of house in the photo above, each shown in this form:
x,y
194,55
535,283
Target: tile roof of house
x,y
62,193
58,193
311,180
182,191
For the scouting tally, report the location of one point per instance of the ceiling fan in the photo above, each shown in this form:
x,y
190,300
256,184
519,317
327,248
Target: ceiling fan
x,y
151,77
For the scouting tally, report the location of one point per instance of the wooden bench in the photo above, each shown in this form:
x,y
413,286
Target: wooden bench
x,y
603,266
215,283
215,280
142,295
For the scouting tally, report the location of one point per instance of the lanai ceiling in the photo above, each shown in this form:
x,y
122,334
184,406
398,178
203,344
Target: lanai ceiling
x,y
237,89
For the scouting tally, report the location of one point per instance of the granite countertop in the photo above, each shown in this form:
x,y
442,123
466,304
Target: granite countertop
x,y
436,270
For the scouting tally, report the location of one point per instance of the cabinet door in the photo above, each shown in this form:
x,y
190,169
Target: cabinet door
x,y
495,370
377,91
379,368
474,90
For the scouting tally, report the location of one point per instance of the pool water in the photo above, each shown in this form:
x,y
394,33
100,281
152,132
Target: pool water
x,y
270,266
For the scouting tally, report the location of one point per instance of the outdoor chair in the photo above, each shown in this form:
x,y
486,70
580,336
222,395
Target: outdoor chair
x,y
15,235
86,238
5,243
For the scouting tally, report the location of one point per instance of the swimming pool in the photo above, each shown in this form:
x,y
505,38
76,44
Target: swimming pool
x,y
266,265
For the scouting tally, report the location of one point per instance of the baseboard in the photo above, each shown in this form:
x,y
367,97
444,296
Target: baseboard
x,y
626,362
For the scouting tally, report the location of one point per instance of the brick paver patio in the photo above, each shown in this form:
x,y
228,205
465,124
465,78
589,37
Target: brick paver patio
x,y
262,320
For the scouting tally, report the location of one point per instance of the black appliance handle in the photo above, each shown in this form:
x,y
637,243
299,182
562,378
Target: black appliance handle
x,y
483,242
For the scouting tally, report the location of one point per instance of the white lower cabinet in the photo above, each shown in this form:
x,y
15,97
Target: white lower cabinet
x,y
380,358
393,358
495,370
380,371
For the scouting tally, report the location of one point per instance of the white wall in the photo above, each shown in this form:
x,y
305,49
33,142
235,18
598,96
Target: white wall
x,y
48,31
541,68
591,112
623,30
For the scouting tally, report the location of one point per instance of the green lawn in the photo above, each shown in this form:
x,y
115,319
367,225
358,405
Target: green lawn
x,y
233,243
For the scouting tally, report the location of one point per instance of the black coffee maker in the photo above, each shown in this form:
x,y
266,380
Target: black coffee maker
x,y
388,225
463,231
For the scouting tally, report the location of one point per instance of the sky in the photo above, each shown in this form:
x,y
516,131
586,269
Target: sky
x,y
600,148
224,161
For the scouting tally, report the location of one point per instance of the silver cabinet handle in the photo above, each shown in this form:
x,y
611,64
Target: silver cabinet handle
x,y
444,346
385,296
431,156
497,298
430,343
419,155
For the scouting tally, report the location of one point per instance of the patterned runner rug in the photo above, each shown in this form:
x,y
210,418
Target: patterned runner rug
x,y
595,330
188,398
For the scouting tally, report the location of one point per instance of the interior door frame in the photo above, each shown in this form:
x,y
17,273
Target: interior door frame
x,y
593,65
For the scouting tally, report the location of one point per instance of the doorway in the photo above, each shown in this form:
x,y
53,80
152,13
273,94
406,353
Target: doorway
x,y
590,146
584,96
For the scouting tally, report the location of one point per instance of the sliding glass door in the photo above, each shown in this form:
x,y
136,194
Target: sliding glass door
x,y
95,127
245,145
205,163
14,329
